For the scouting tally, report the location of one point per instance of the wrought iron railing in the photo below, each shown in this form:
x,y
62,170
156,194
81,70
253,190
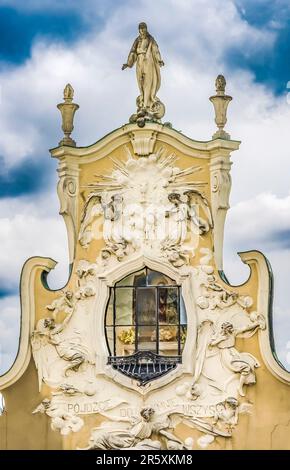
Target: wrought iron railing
x,y
144,366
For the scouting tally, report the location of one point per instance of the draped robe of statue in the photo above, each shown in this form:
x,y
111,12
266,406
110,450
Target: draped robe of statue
x,y
145,53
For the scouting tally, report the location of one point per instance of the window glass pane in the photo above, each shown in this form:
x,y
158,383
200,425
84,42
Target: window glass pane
x,y
168,341
146,306
135,279
147,338
110,312
158,279
168,305
124,305
183,318
183,333
125,341
140,279
110,339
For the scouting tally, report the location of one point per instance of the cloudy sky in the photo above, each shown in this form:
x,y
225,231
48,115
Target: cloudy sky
x,y
46,43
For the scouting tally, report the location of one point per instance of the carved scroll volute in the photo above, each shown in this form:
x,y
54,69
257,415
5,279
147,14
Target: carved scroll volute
x,y
220,180
67,190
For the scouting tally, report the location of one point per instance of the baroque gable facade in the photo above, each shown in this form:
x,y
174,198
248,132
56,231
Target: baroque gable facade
x,y
147,346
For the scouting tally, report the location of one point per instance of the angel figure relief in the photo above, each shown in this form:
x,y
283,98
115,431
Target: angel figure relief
x,y
51,340
98,204
183,220
182,211
216,348
227,414
125,201
136,433
92,210
242,363
65,303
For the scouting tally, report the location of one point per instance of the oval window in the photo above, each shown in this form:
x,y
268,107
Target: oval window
x,y
145,325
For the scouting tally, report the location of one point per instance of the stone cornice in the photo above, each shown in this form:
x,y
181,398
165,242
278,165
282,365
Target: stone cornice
x,y
159,132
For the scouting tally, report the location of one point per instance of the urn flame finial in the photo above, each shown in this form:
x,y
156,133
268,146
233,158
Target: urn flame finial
x,y
68,109
220,102
68,93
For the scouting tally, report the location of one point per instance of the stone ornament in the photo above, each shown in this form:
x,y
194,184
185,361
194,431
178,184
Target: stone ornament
x,y
223,316
65,303
209,395
63,341
67,190
221,183
136,433
133,221
68,109
50,339
61,421
210,403
145,54
210,388
220,102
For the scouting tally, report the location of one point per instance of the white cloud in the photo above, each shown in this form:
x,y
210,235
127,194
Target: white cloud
x,y
193,37
263,223
281,320
288,352
28,232
9,331
261,219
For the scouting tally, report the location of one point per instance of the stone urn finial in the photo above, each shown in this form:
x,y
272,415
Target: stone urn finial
x,y
68,109
220,102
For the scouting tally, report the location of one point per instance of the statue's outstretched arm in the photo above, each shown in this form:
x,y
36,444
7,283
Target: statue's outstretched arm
x,y
132,57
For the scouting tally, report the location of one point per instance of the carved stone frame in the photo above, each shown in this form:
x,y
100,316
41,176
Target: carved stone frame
x,y
108,279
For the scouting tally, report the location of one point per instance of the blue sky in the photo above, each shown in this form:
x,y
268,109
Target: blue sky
x,y
19,29
45,44
271,65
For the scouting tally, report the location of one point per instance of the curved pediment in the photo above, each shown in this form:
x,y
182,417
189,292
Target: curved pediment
x,y
143,142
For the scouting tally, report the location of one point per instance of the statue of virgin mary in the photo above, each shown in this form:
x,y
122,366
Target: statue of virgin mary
x,y
145,53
